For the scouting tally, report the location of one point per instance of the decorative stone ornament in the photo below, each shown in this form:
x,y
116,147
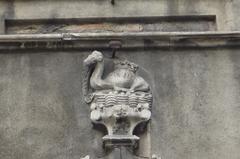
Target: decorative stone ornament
x,y
120,101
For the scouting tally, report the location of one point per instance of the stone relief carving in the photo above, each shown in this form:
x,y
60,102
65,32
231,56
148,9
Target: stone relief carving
x,y
86,157
120,100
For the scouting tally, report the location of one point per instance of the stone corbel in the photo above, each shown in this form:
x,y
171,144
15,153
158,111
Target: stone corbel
x,y
120,101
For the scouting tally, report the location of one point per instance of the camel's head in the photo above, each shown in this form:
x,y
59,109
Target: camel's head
x,y
94,57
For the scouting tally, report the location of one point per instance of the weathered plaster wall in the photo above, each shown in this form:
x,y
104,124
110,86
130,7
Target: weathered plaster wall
x,y
3,11
42,111
226,11
195,115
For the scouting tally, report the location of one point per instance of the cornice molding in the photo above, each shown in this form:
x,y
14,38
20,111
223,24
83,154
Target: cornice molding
x,y
130,40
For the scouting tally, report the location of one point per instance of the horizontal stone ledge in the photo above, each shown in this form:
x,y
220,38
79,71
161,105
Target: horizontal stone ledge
x,y
128,39
116,19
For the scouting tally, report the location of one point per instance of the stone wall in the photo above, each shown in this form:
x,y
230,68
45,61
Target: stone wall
x,y
225,11
196,111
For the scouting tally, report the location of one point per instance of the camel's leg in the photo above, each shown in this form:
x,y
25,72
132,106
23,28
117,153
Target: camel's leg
x,y
139,84
116,88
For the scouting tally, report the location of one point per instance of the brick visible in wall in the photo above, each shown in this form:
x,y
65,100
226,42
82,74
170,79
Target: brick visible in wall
x,y
113,24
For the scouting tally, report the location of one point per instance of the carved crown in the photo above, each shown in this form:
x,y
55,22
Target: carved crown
x,y
126,64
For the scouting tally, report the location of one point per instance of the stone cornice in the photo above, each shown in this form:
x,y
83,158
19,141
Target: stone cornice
x,y
130,40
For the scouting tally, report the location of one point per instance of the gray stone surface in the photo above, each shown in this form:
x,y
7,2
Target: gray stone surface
x,y
195,115
196,111
226,11
42,111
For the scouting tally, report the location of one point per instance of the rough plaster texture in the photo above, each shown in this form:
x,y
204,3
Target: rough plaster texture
x,y
226,11
127,26
42,111
196,113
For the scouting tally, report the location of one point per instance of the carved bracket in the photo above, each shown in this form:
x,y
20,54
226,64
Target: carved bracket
x,y
120,101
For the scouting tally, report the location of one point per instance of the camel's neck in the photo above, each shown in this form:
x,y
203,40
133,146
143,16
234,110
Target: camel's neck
x,y
97,74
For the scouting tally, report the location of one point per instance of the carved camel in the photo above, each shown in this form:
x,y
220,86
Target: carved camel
x,y
121,79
